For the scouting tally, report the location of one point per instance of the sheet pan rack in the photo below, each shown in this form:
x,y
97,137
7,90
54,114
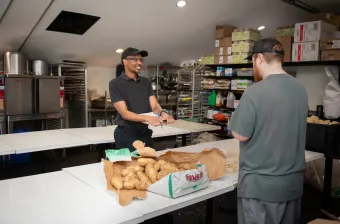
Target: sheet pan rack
x,y
75,84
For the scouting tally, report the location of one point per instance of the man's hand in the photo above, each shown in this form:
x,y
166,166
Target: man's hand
x,y
168,118
153,120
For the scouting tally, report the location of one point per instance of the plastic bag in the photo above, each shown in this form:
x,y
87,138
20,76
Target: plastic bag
x,y
331,99
205,137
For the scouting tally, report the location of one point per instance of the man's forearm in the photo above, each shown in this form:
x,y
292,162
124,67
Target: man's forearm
x,y
157,109
130,116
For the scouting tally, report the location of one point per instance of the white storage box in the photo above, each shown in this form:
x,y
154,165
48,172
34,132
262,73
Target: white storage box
x,y
313,31
308,51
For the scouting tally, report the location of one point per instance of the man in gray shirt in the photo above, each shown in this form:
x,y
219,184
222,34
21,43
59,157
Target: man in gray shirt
x,y
270,123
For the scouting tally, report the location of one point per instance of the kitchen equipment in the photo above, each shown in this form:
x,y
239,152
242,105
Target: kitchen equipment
x,y
16,63
319,111
24,98
99,103
39,67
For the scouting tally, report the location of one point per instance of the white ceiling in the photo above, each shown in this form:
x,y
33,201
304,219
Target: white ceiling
x,y
170,34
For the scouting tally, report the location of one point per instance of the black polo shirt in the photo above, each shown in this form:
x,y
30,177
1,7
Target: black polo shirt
x,y
136,96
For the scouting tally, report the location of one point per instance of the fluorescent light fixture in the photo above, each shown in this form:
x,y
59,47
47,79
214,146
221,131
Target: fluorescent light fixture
x,y
261,28
181,3
119,51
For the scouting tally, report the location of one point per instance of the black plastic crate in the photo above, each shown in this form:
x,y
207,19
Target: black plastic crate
x,y
324,139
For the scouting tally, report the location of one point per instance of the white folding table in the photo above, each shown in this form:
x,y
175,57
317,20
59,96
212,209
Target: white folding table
x,y
41,141
56,198
6,149
156,205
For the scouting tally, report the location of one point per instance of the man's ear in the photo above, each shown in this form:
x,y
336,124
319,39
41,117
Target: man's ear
x,y
124,61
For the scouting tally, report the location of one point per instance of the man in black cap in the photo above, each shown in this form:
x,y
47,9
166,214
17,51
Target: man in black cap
x,y
132,95
270,123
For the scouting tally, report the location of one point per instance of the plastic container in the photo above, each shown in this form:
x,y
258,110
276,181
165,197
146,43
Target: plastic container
x,y
230,100
20,158
212,99
219,99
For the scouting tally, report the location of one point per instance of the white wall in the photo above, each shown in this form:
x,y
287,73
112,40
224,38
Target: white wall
x,y
315,80
98,79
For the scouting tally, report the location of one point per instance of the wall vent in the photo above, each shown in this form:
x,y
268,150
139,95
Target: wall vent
x,y
72,22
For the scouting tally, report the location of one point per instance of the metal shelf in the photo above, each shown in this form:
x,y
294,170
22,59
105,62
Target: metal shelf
x,y
287,64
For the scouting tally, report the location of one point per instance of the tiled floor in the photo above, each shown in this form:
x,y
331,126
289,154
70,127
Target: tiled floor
x,y
194,214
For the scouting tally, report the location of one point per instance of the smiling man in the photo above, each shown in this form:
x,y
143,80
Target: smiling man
x,y
270,123
132,95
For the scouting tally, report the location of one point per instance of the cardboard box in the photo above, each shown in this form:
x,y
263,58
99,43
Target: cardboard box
x,y
224,42
207,60
246,34
223,51
323,221
327,17
287,42
224,31
223,59
285,31
313,31
241,46
330,55
307,51
329,44
238,58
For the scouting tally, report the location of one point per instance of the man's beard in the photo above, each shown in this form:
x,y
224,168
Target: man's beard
x,y
256,74
133,72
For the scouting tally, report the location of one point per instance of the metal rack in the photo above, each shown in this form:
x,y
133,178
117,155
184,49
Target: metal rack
x,y
191,99
75,84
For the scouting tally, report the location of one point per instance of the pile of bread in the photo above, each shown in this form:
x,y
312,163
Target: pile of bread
x,y
317,120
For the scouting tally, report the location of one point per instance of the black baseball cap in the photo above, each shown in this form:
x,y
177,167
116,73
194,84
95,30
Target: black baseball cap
x,y
133,51
268,45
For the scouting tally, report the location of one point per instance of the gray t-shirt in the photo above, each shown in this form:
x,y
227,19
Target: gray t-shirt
x,y
272,113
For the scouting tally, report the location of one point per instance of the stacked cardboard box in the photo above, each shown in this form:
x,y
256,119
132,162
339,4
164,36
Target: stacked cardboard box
x,y
285,36
330,49
223,44
327,17
242,44
307,37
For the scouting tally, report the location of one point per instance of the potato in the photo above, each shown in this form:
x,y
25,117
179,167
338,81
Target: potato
x,y
185,166
130,184
163,173
117,182
161,162
143,178
130,176
136,168
128,171
142,186
151,172
170,167
145,161
157,167
181,169
193,166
